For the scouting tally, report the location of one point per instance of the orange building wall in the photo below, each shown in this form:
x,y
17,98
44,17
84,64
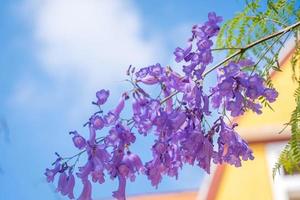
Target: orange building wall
x,y
249,182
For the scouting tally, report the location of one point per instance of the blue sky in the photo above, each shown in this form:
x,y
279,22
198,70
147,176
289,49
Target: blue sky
x,y
54,55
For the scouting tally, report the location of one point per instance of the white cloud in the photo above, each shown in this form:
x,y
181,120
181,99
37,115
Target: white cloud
x,y
91,37
85,45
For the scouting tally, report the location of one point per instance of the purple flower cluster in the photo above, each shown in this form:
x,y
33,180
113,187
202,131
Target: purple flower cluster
x,y
196,59
177,117
238,90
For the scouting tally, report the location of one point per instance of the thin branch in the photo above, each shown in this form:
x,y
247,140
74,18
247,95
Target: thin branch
x,y
67,159
168,97
226,48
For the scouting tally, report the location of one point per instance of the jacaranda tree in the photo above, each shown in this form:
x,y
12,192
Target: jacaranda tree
x,y
179,116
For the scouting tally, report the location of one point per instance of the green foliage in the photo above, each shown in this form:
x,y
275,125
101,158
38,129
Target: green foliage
x,y
289,158
258,20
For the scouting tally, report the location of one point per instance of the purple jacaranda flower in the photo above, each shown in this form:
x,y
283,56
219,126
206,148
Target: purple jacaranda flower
x,y
198,32
62,181
98,175
270,94
255,107
86,193
134,162
155,70
143,72
197,148
149,80
78,140
254,86
177,119
102,96
205,155
124,133
97,122
199,72
216,100
85,170
205,107
50,173
110,118
211,27
226,87
92,139
232,69
252,93
98,159
120,193
66,184
213,18
144,112
130,165
180,53
117,157
255,81
201,101
188,69
97,163
175,81
152,76
206,57
236,106
68,190
190,57
232,148
154,172
204,44
195,58
120,135
119,107
164,162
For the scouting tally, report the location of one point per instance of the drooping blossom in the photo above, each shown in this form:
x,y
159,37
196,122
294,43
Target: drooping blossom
x,y
66,184
102,96
78,140
231,147
50,173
